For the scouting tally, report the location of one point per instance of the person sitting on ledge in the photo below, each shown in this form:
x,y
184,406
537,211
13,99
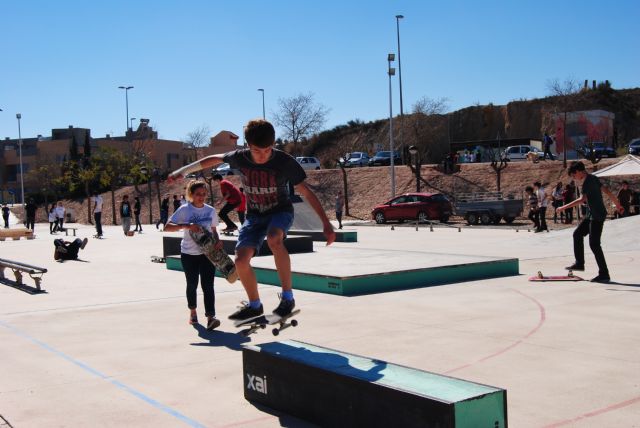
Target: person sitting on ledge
x,y
66,250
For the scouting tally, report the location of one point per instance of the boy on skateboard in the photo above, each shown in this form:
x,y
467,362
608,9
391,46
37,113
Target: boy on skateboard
x,y
593,222
265,173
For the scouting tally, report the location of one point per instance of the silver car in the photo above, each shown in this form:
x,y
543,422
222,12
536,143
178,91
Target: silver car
x,y
519,153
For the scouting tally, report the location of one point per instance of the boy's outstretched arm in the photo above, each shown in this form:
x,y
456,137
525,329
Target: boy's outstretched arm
x,y
207,162
317,207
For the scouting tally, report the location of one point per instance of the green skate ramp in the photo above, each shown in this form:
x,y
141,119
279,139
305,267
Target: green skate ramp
x,y
351,272
333,388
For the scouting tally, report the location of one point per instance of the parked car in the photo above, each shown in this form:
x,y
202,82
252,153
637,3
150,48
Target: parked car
x,y
308,162
384,158
634,147
354,159
519,153
601,150
224,169
414,206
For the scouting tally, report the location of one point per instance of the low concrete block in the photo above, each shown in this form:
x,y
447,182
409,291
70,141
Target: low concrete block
x,y
318,235
333,388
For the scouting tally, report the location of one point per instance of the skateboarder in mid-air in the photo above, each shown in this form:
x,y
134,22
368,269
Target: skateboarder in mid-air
x,y
265,173
194,217
593,222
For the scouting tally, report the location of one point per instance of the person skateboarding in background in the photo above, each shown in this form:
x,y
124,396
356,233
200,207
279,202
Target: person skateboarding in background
x,y
231,197
593,222
195,216
265,172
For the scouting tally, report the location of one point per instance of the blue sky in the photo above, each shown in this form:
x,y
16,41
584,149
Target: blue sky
x,y
195,63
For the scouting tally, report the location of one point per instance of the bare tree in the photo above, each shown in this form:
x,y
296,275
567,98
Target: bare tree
x,y
565,93
300,117
428,106
198,138
427,125
569,86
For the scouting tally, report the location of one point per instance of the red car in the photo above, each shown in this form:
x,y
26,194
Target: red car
x,y
414,206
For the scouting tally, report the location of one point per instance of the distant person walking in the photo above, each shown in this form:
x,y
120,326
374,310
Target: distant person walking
x,y
53,220
125,214
232,197
97,213
339,207
532,201
164,212
542,206
557,197
30,209
624,196
60,216
593,222
136,214
547,141
5,215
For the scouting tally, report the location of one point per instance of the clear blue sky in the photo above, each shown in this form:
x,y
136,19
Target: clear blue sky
x,y
196,63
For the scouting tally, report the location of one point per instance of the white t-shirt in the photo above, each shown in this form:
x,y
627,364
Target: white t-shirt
x,y
205,217
542,197
98,201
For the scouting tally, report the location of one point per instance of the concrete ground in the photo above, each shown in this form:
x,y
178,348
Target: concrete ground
x,y
108,344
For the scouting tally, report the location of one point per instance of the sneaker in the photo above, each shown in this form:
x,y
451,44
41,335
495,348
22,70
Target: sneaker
x,y
575,266
213,323
601,278
193,319
84,243
246,312
285,307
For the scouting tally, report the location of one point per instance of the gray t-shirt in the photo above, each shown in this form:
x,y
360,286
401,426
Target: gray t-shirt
x,y
205,217
266,185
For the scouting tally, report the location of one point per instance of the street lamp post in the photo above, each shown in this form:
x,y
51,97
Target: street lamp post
x,y
414,153
263,115
398,18
19,116
131,123
391,72
126,97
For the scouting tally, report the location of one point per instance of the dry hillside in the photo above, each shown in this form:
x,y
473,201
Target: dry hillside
x,y
369,186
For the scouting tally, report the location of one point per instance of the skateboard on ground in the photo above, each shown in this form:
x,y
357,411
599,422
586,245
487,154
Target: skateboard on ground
x,y
158,259
228,233
220,259
568,277
98,236
261,322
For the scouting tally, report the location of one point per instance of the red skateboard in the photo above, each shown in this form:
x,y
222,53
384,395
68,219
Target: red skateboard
x,y
568,277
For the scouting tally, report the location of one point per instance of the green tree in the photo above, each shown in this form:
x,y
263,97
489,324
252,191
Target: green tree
x,y
113,169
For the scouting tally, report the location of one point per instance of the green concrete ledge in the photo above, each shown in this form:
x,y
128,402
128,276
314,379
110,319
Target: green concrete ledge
x,y
318,235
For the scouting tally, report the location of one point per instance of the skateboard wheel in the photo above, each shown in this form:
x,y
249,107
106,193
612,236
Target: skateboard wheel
x,y
294,323
275,331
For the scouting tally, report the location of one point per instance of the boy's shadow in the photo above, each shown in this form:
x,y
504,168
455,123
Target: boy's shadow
x,y
220,338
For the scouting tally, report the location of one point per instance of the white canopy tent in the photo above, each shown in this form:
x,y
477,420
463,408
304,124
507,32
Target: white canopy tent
x,y
630,165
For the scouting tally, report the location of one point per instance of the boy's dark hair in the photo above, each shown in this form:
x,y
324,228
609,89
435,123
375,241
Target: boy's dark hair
x,y
625,182
528,189
217,177
260,133
537,184
575,167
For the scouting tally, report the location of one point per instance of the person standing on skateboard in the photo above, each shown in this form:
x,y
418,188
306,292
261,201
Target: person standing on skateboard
x,y
231,197
195,216
265,173
593,222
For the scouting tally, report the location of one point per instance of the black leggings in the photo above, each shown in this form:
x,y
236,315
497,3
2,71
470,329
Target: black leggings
x,y
194,267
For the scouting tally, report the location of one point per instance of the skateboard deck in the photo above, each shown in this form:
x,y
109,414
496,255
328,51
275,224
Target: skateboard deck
x,y
229,233
542,278
158,259
220,259
261,322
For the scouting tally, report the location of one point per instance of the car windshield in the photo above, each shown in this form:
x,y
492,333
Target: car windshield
x,y
598,145
223,166
383,154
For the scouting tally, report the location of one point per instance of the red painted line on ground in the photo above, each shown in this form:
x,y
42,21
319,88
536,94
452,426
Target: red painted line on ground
x,y
543,317
595,413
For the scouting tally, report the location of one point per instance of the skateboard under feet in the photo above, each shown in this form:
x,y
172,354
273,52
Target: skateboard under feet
x,y
261,323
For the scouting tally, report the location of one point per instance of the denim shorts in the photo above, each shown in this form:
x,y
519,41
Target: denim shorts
x,y
255,228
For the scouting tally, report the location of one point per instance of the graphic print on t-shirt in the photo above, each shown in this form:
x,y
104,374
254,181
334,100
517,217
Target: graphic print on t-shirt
x,y
261,188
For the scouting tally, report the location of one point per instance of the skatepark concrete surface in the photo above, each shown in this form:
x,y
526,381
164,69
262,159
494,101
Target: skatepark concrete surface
x,y
108,344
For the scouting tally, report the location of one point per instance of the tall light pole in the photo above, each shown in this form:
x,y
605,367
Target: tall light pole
x,y
263,115
126,96
19,116
398,18
391,72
